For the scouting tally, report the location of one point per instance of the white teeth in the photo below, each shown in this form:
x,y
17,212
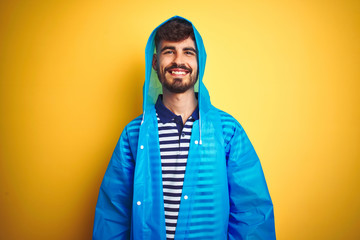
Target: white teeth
x,y
178,72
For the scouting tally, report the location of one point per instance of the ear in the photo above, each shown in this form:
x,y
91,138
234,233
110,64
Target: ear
x,y
154,62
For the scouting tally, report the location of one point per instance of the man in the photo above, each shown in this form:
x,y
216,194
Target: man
x,y
183,169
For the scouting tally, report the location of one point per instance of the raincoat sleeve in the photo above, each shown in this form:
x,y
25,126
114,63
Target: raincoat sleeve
x,y
251,208
113,209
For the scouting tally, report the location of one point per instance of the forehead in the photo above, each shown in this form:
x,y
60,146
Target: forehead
x,y
187,43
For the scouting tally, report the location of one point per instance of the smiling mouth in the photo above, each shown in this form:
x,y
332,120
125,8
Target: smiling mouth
x,y
178,72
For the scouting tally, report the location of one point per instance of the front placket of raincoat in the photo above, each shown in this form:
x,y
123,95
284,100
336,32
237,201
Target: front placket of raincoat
x,y
148,176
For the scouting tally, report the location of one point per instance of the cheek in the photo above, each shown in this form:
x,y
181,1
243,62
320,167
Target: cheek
x,y
195,67
194,64
163,65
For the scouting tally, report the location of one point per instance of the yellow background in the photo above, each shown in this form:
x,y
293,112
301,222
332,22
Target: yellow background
x,y
71,75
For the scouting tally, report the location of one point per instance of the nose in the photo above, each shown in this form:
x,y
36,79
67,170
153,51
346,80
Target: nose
x,y
179,58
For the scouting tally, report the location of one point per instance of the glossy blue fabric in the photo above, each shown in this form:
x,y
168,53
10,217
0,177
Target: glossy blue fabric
x,y
225,189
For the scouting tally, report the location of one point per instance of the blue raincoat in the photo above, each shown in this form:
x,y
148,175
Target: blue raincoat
x,y
225,189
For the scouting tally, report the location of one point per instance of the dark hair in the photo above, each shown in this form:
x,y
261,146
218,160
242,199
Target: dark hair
x,y
174,30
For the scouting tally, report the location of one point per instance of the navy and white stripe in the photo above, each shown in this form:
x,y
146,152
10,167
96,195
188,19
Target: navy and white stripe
x,y
174,149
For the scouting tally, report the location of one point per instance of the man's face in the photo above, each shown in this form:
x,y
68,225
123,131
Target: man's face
x,y
176,65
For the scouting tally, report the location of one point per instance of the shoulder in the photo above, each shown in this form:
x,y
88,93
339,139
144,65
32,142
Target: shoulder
x,y
129,137
228,122
132,128
130,133
230,126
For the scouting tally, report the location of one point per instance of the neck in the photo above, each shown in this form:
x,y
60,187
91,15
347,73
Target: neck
x,y
182,104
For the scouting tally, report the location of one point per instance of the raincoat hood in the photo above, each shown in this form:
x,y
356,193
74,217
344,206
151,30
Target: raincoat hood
x,y
152,86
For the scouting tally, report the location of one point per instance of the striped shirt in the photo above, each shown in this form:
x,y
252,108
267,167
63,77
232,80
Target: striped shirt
x,y
174,139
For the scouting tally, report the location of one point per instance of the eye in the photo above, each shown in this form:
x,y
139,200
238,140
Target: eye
x,y
168,52
190,53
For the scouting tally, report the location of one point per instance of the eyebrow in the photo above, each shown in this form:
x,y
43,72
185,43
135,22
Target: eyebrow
x,y
166,48
190,49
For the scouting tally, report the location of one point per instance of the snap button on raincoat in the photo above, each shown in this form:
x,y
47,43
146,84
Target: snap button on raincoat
x,y
224,195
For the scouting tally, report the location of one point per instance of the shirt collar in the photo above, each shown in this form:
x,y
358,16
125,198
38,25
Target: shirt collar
x,y
165,115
